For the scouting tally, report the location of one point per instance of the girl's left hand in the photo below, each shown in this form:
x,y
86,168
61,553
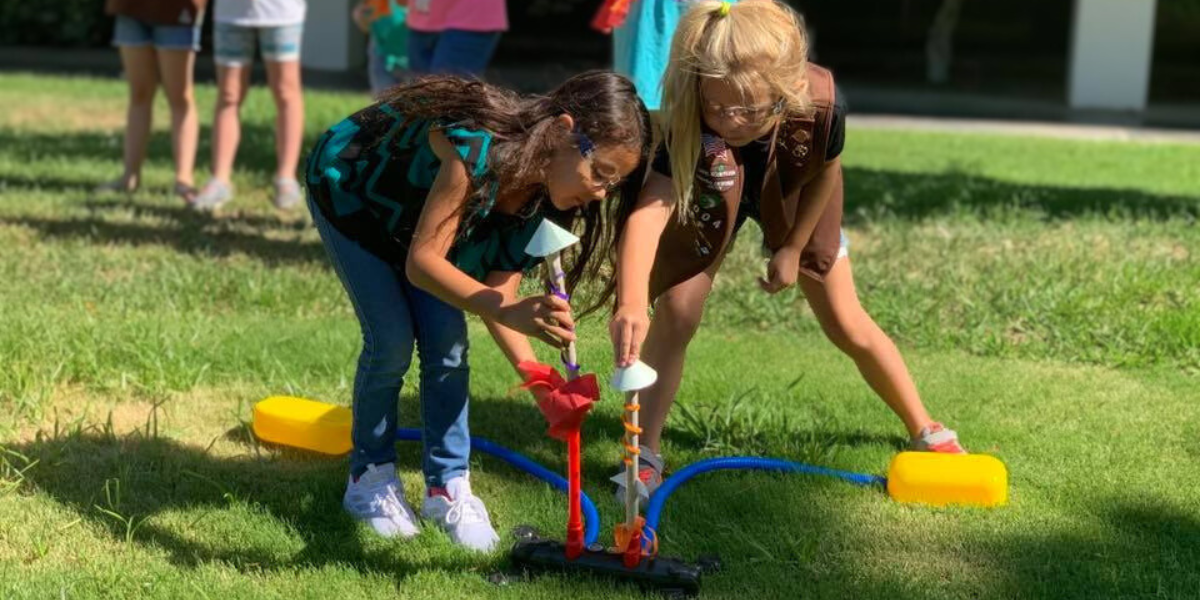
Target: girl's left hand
x,y
782,271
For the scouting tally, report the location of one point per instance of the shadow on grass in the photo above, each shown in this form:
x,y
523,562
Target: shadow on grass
x,y
778,537
868,191
157,474
182,229
1133,548
256,151
918,196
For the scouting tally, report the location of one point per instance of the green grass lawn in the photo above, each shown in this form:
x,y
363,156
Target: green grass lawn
x,y
1046,294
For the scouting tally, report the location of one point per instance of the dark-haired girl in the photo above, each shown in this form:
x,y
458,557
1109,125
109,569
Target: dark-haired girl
x,y
425,202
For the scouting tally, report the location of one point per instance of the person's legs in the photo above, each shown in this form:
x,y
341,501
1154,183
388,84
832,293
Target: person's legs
x,y
234,55
175,69
464,53
445,387
141,70
134,41
373,493
377,72
421,46
677,315
836,306
281,53
442,345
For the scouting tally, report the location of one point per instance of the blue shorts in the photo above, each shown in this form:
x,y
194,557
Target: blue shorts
x,y
133,33
234,44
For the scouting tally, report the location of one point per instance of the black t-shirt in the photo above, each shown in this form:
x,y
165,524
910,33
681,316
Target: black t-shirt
x,y
754,154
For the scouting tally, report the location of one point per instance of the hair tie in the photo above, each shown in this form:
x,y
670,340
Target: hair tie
x,y
724,10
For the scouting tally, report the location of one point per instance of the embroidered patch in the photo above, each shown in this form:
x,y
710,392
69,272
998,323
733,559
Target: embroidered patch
x,y
713,146
722,177
708,201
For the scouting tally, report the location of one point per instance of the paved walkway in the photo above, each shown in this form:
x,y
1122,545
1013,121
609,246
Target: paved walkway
x,y
1027,128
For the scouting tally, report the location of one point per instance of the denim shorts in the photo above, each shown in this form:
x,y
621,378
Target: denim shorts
x,y
133,33
234,44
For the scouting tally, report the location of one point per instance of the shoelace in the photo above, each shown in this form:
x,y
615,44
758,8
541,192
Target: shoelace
x,y
468,509
388,502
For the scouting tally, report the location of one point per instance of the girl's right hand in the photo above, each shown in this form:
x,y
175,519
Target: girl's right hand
x,y
547,318
628,329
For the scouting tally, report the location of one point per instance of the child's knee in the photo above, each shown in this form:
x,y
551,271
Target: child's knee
x,y
442,354
852,335
181,102
229,97
142,94
679,314
386,357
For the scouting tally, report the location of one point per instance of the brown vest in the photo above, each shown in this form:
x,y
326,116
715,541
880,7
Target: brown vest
x,y
796,156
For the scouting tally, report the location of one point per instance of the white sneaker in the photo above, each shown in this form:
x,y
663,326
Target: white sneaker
x,y
377,498
462,515
212,196
288,194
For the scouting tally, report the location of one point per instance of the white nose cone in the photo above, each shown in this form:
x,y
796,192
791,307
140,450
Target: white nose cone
x,y
549,238
635,377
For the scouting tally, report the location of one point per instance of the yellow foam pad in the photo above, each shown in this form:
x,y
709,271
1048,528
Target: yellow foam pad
x,y
942,479
302,423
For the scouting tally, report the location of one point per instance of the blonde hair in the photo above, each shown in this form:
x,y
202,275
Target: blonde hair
x,y
750,42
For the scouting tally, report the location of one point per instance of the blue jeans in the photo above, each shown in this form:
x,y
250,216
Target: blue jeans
x,y
131,32
451,52
393,314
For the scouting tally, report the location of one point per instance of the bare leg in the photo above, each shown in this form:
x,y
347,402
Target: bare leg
x,y
284,79
141,69
232,85
677,315
851,329
175,70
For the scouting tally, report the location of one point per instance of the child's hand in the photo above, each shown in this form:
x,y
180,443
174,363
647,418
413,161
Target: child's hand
x,y
547,318
782,271
628,329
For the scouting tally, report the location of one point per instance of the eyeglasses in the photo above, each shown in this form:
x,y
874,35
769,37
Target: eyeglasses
x,y
745,115
587,149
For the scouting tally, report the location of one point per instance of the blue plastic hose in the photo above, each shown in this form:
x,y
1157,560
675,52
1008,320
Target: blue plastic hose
x,y
750,463
591,518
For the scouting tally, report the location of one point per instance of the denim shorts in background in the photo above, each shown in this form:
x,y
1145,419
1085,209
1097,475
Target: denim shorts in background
x,y
134,33
233,45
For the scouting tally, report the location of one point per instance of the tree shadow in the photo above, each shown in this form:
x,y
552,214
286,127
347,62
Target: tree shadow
x,y
198,235
84,469
256,151
1135,548
782,537
916,196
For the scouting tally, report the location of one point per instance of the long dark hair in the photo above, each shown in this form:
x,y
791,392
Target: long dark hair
x,y
605,106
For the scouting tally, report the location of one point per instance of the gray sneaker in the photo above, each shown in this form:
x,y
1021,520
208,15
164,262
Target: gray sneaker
x,y
213,196
287,194
461,514
650,476
377,499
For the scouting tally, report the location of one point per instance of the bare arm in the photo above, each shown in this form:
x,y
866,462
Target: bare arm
x,y
812,203
514,344
784,268
428,268
635,260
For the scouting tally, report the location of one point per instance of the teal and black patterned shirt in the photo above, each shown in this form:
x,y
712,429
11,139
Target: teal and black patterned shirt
x,y
371,173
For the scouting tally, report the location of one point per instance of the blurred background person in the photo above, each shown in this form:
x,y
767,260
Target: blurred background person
x,y
278,27
158,41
